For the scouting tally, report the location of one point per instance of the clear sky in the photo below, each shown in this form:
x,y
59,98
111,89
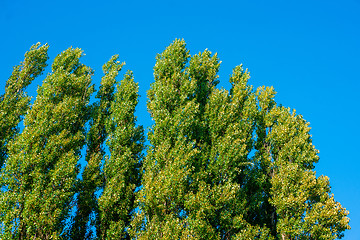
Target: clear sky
x,y
308,50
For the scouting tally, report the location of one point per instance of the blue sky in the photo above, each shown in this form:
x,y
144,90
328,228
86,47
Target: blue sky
x,y
308,50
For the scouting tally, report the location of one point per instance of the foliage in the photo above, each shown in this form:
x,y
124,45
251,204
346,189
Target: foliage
x,y
92,177
220,164
14,102
122,168
41,170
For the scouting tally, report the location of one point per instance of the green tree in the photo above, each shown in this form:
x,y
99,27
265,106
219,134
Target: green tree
x,y
14,103
41,170
227,165
92,177
220,165
122,168
200,142
166,167
304,205
231,120
284,192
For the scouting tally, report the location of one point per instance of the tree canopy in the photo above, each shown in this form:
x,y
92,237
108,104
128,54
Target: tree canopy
x,y
218,164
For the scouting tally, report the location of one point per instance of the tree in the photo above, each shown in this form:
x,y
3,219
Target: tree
x,y
304,205
199,146
14,103
220,164
41,170
166,167
225,164
122,169
286,194
92,177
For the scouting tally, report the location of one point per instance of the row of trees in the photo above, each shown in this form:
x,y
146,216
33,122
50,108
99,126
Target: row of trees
x,y
219,165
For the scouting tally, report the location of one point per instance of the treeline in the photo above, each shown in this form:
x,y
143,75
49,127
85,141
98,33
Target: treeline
x,y
219,165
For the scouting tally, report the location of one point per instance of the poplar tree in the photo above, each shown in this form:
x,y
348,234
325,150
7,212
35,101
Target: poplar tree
x,y
304,205
14,103
173,108
122,167
199,145
230,117
228,164
41,170
220,165
86,218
